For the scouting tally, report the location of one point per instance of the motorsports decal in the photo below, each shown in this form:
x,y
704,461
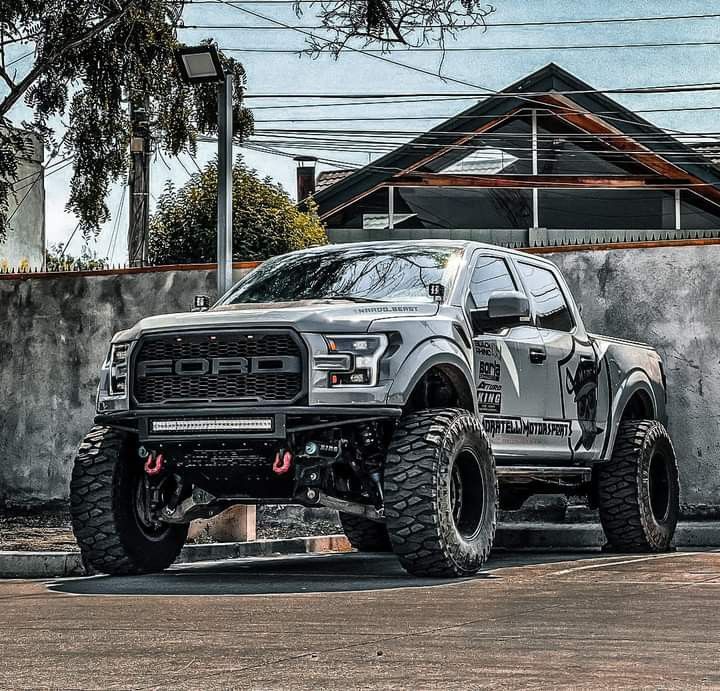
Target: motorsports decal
x,y
526,427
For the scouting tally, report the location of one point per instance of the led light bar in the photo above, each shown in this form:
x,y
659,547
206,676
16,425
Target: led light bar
x,y
256,424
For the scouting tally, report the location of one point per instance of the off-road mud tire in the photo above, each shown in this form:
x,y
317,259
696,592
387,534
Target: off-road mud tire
x,y
103,511
418,485
365,535
639,500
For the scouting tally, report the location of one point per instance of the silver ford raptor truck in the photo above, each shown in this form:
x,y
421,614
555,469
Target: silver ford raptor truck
x,y
416,387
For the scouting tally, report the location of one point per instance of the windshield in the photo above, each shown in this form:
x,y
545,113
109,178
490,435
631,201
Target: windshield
x,y
360,274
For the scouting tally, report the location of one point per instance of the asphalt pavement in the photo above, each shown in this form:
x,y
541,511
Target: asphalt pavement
x,y
345,621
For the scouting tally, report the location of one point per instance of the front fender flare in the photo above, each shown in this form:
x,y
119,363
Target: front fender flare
x,y
429,354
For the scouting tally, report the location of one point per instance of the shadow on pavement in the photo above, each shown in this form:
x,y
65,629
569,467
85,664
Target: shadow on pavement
x,y
286,575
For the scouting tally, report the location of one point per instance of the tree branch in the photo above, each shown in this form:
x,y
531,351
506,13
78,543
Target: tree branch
x,y
22,86
6,77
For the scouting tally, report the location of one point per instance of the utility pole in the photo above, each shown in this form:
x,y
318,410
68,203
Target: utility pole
x,y
139,180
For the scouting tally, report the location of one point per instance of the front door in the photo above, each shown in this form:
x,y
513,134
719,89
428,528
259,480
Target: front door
x,y
510,368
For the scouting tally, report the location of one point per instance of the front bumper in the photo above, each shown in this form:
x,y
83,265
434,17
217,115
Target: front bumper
x,y
286,420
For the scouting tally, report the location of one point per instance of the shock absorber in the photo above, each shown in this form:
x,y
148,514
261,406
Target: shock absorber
x,y
372,458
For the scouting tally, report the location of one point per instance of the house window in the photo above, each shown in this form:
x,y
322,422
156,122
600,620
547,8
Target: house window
x,y
697,213
361,212
606,209
462,208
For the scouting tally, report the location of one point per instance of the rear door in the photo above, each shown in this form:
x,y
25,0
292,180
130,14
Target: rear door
x,y
509,377
577,386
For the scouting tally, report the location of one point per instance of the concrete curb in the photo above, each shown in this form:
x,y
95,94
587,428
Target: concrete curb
x,y
563,536
64,564
537,536
40,564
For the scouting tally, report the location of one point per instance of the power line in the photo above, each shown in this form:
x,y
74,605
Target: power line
x,y
22,57
524,97
46,169
403,118
44,174
390,169
69,240
609,156
428,100
489,24
491,49
485,92
114,234
491,134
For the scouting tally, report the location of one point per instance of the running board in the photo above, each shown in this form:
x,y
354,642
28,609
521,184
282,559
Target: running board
x,y
521,474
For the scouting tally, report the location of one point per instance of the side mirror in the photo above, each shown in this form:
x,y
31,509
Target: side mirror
x,y
506,308
201,303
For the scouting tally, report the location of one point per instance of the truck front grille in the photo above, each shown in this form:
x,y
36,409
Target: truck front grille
x,y
229,367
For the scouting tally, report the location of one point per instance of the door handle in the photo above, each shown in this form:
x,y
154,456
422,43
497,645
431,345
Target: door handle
x,y
538,355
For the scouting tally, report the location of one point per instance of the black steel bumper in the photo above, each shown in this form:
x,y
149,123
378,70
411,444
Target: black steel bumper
x,y
285,420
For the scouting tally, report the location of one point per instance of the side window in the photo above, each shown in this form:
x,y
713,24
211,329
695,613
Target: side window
x,y
550,305
490,274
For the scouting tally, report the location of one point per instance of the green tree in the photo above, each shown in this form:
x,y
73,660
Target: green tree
x,y
87,57
265,220
57,259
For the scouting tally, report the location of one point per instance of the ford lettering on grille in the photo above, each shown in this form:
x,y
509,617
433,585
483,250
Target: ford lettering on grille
x,y
228,367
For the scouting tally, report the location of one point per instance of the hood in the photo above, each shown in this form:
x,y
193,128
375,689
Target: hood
x,y
318,316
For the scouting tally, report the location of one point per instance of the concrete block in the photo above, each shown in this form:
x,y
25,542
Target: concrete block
x,y
235,524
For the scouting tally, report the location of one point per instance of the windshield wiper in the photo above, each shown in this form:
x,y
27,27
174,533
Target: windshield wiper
x,y
351,298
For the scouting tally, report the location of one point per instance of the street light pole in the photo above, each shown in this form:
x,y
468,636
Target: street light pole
x,y
198,65
225,185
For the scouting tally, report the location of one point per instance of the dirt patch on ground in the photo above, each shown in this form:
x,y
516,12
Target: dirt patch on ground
x,y
51,531
47,531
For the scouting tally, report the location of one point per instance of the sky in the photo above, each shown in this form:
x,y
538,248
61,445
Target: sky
x,y
285,74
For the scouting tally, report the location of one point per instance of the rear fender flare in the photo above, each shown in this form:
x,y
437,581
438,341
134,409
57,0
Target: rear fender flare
x,y
635,381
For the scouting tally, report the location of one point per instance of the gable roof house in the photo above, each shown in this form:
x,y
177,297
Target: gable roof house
x,y
547,161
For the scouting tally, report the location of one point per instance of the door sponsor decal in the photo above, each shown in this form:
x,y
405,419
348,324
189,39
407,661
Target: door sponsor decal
x,y
489,397
489,389
526,427
489,371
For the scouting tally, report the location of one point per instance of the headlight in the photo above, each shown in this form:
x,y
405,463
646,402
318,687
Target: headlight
x,y
113,389
351,360
118,369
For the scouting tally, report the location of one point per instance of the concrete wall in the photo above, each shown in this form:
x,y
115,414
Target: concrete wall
x,y
54,334
24,247
668,297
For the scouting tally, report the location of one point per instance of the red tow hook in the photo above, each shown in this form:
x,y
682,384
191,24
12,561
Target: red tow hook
x,y
154,464
283,462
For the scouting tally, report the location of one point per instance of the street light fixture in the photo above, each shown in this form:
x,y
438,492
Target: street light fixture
x,y
198,65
